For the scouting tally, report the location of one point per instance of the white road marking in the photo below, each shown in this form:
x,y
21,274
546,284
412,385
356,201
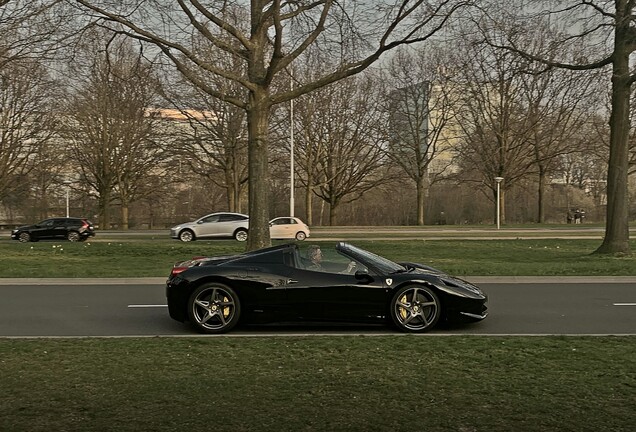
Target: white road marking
x,y
147,306
624,304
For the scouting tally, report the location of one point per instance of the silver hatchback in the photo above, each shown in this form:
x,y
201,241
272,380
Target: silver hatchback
x,y
215,225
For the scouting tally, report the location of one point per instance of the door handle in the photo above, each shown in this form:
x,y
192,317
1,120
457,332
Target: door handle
x,y
291,281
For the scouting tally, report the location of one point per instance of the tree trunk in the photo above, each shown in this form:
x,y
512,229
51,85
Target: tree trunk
x,y
421,201
541,198
332,215
616,238
104,203
308,205
259,178
229,192
124,217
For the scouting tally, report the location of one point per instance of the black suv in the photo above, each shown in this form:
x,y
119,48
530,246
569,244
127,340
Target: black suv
x,y
73,229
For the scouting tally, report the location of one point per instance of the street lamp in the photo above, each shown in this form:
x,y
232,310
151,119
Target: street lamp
x,y
68,190
498,180
291,155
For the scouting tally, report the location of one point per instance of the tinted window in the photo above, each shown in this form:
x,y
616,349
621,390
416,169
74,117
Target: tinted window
x,y
231,217
72,222
47,223
212,218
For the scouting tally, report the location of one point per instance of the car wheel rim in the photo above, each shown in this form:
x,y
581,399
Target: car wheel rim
x,y
241,236
186,236
73,236
24,237
300,236
416,309
214,308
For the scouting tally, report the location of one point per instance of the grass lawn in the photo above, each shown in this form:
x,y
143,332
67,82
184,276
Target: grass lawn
x,y
384,383
319,383
146,257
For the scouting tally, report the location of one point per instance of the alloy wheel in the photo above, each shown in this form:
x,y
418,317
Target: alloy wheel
x,y
214,308
415,309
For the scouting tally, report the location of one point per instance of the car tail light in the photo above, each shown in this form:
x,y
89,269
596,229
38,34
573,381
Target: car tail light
x,y
184,265
176,270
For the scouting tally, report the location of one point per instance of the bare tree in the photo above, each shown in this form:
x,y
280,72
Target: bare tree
x,y
420,103
494,121
603,30
212,141
32,29
558,106
214,146
278,34
339,140
26,122
111,129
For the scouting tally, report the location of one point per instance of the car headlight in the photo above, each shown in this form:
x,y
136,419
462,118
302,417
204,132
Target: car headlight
x,y
177,228
461,284
14,231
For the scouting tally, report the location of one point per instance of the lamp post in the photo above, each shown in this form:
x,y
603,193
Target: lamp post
x,y
291,155
68,190
498,180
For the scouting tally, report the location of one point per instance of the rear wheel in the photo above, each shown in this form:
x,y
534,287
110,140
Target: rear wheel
x,y
24,237
241,235
300,236
186,236
214,308
73,236
415,309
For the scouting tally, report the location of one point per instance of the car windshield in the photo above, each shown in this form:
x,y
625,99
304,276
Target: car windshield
x,y
382,264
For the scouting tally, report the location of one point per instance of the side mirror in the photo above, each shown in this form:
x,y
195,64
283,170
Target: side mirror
x,y
363,276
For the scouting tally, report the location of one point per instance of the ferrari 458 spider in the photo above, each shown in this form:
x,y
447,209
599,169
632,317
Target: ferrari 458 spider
x,y
291,282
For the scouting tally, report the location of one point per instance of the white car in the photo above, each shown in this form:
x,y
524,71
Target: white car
x,y
215,225
288,228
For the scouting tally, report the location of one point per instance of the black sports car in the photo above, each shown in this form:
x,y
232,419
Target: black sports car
x,y
291,282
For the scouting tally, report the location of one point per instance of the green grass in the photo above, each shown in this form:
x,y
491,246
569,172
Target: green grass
x,y
125,257
407,383
321,383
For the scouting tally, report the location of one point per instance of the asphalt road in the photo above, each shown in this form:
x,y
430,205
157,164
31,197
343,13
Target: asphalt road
x,y
518,306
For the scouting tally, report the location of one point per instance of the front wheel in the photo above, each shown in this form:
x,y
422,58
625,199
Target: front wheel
x,y
300,236
241,235
24,237
186,236
415,309
214,308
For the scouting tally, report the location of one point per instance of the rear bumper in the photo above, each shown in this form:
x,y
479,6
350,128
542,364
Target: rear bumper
x,y
177,301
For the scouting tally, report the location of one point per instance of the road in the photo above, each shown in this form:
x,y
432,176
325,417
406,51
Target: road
x,y
136,307
392,233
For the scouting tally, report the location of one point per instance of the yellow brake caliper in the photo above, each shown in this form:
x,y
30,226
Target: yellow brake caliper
x,y
403,312
226,309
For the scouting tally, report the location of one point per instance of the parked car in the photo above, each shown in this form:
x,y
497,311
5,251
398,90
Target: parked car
x,y
215,225
292,283
72,229
288,228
